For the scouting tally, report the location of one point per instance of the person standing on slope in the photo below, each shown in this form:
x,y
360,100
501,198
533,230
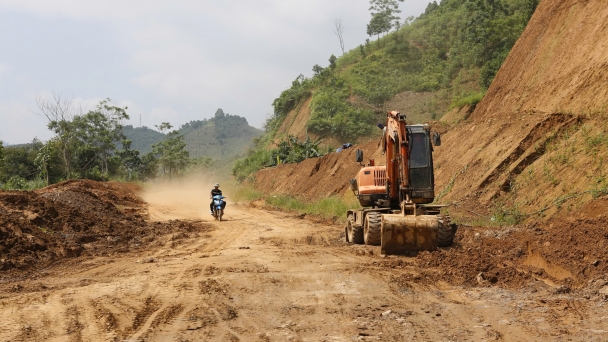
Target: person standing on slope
x,y
214,192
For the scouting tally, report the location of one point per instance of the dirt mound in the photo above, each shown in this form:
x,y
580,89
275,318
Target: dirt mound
x,y
568,253
316,177
75,218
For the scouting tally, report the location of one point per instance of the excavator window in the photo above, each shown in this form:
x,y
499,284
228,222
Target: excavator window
x,y
418,152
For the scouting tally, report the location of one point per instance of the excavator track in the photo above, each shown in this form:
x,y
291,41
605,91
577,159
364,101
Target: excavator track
x,y
372,228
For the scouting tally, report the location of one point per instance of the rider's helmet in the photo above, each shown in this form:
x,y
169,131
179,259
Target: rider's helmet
x,y
217,185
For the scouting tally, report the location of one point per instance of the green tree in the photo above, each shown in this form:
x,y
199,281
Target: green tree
x,y
219,113
332,62
100,129
148,167
18,162
167,126
317,69
384,16
129,158
134,166
379,24
171,152
43,160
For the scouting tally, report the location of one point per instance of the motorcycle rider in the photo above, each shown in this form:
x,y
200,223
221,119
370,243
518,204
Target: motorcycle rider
x,y
214,192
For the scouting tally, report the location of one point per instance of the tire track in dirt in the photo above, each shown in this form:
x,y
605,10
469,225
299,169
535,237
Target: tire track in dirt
x,y
270,277
220,241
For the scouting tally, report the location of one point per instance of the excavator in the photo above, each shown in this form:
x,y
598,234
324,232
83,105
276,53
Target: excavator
x,y
397,213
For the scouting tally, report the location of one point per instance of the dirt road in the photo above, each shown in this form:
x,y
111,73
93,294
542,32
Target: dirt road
x,y
271,276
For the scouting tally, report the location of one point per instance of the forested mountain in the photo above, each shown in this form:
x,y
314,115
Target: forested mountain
x,y
220,137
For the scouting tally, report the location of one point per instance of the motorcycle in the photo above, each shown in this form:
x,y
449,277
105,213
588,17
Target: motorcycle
x,y
218,205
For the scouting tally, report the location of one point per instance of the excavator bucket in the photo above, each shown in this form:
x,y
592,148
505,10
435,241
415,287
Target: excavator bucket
x,y
405,234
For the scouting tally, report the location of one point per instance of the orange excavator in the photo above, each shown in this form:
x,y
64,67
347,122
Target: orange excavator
x,y
396,197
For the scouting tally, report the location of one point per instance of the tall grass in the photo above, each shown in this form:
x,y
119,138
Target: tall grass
x,y
328,207
243,193
18,183
333,207
470,100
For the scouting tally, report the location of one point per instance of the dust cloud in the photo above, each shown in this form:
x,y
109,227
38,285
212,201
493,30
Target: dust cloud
x,y
183,198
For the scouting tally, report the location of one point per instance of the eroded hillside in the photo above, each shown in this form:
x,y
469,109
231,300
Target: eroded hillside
x,y
537,141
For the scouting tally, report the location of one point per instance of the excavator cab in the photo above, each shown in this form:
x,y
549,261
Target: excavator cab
x,y
421,179
371,181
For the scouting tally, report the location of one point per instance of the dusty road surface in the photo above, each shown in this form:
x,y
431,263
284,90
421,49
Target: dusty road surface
x,y
271,276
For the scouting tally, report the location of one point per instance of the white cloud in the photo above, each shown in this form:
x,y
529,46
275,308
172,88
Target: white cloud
x,y
108,9
20,124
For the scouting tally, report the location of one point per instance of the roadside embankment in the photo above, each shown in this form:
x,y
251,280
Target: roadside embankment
x,y
316,178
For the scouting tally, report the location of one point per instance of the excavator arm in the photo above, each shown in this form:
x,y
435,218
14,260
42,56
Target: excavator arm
x,y
397,144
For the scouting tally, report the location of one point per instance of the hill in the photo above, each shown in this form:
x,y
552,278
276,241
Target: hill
x,y
220,137
536,145
142,138
447,56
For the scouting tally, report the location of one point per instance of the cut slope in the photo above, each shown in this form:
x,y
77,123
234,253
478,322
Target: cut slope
x,y
316,177
559,64
536,142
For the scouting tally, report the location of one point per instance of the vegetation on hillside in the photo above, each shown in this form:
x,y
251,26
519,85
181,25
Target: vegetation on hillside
x,y
449,46
95,145
219,137
288,150
84,146
453,50
142,138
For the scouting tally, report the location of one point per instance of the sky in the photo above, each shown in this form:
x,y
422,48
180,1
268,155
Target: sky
x,y
167,61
